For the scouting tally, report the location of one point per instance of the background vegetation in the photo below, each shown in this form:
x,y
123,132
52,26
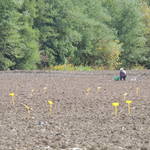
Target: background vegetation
x,y
53,34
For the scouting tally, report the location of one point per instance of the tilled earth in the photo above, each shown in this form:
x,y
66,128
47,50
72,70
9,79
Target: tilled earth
x,y
82,116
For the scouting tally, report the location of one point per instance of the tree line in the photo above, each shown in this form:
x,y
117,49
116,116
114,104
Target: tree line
x,y
43,33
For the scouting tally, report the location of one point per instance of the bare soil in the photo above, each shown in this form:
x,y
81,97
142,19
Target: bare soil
x,y
82,115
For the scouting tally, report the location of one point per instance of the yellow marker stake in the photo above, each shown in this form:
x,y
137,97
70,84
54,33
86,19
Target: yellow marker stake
x,y
116,107
98,88
124,95
137,91
129,106
13,97
50,105
32,92
88,90
45,89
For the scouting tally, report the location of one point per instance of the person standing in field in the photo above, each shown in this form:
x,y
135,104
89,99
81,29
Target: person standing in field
x,y
123,74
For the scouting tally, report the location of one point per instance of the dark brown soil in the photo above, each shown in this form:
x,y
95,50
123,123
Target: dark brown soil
x,y
82,114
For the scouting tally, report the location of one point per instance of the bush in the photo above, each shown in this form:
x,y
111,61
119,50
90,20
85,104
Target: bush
x,y
138,67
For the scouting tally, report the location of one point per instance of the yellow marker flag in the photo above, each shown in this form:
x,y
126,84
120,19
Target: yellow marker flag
x,y
11,94
115,104
13,98
129,106
50,105
125,94
137,91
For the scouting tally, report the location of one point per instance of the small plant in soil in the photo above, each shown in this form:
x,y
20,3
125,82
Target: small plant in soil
x,y
28,109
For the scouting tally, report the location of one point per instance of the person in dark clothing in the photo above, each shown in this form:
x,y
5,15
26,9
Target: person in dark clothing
x,y
123,74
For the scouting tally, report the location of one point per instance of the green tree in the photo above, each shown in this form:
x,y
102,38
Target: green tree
x,y
57,34
19,41
29,36
127,21
145,8
10,38
97,36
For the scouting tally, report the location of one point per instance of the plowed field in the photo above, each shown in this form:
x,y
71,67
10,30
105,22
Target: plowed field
x,y
81,116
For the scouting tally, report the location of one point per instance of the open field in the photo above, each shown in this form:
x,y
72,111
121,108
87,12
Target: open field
x,y
82,115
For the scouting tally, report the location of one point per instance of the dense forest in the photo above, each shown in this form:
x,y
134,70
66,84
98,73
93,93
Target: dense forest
x,y
42,33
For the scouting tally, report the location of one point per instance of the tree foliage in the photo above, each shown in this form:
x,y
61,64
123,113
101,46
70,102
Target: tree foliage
x,y
127,20
10,38
42,33
145,8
